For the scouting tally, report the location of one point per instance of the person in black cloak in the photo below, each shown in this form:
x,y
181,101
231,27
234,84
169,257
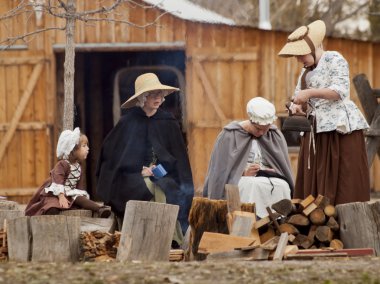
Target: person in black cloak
x,y
145,139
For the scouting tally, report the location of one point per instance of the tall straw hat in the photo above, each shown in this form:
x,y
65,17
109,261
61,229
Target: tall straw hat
x,y
145,83
304,40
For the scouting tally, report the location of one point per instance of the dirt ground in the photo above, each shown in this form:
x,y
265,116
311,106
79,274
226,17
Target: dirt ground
x,y
327,270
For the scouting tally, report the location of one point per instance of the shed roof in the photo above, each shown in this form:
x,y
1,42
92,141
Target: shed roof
x,y
187,10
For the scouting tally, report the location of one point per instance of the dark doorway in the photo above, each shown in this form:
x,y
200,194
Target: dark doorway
x,y
95,74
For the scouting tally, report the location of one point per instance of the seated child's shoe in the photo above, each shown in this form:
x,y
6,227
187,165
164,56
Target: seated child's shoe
x,y
104,212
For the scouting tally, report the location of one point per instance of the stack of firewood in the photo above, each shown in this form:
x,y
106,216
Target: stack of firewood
x,y
3,243
99,246
176,255
310,223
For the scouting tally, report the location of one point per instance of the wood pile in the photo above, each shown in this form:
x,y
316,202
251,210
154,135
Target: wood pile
x,y
310,223
293,229
3,243
102,246
98,246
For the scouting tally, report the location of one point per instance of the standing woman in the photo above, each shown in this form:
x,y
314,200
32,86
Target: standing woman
x,y
145,137
332,160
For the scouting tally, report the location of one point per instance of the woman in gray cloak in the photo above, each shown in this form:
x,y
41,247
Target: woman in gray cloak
x,y
252,154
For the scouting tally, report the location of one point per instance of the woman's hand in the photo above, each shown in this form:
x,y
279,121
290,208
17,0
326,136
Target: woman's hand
x,y
296,109
251,170
147,171
302,97
63,202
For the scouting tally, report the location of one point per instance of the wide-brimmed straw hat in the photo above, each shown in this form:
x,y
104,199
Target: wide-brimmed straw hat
x,y
145,83
261,111
304,40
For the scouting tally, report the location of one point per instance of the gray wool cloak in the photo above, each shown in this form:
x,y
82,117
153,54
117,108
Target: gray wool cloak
x,y
230,154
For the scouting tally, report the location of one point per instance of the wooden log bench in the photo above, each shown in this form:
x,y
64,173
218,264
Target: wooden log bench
x,y
369,100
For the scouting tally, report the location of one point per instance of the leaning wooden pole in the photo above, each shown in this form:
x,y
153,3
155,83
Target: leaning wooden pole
x,y
69,66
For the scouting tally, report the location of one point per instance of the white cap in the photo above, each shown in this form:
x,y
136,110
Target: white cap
x,y
66,142
261,111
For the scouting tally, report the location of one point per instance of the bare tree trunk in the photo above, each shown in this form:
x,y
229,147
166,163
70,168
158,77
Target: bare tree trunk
x,y
68,109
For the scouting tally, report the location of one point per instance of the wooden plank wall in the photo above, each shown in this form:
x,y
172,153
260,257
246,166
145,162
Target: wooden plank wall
x,y
234,82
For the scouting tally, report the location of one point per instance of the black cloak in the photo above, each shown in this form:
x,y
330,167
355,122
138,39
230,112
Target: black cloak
x,y
122,158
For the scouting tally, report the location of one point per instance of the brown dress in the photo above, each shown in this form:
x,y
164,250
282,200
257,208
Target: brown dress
x,y
42,201
338,170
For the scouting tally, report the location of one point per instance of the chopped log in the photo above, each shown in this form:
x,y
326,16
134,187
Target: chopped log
x,y
310,208
298,220
233,198
19,246
281,246
271,244
330,210
359,225
290,249
303,241
288,228
291,238
96,245
307,201
8,214
336,244
284,207
243,225
324,234
312,232
144,221
333,224
322,201
262,222
270,233
215,242
317,216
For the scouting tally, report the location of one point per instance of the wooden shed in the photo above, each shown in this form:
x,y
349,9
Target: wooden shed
x,y
218,65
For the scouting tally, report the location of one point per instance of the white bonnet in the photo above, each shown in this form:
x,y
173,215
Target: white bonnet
x,y
261,111
66,142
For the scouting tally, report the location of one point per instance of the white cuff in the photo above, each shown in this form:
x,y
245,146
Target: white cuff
x,y
55,188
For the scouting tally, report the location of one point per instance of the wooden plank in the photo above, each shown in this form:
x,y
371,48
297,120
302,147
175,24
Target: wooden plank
x,y
281,246
143,223
215,242
55,238
307,201
243,225
310,208
359,225
20,108
233,198
90,224
12,61
31,125
3,119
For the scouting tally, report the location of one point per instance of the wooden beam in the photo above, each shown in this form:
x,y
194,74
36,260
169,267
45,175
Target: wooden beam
x,y
32,125
21,60
209,90
20,108
365,93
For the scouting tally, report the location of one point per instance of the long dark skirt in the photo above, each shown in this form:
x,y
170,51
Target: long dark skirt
x,y
338,170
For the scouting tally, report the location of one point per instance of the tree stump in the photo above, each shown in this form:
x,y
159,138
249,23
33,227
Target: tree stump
x,y
9,205
46,238
19,238
359,225
8,215
147,231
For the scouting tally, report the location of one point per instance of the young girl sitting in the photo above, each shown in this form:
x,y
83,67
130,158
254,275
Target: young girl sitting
x,y
63,190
